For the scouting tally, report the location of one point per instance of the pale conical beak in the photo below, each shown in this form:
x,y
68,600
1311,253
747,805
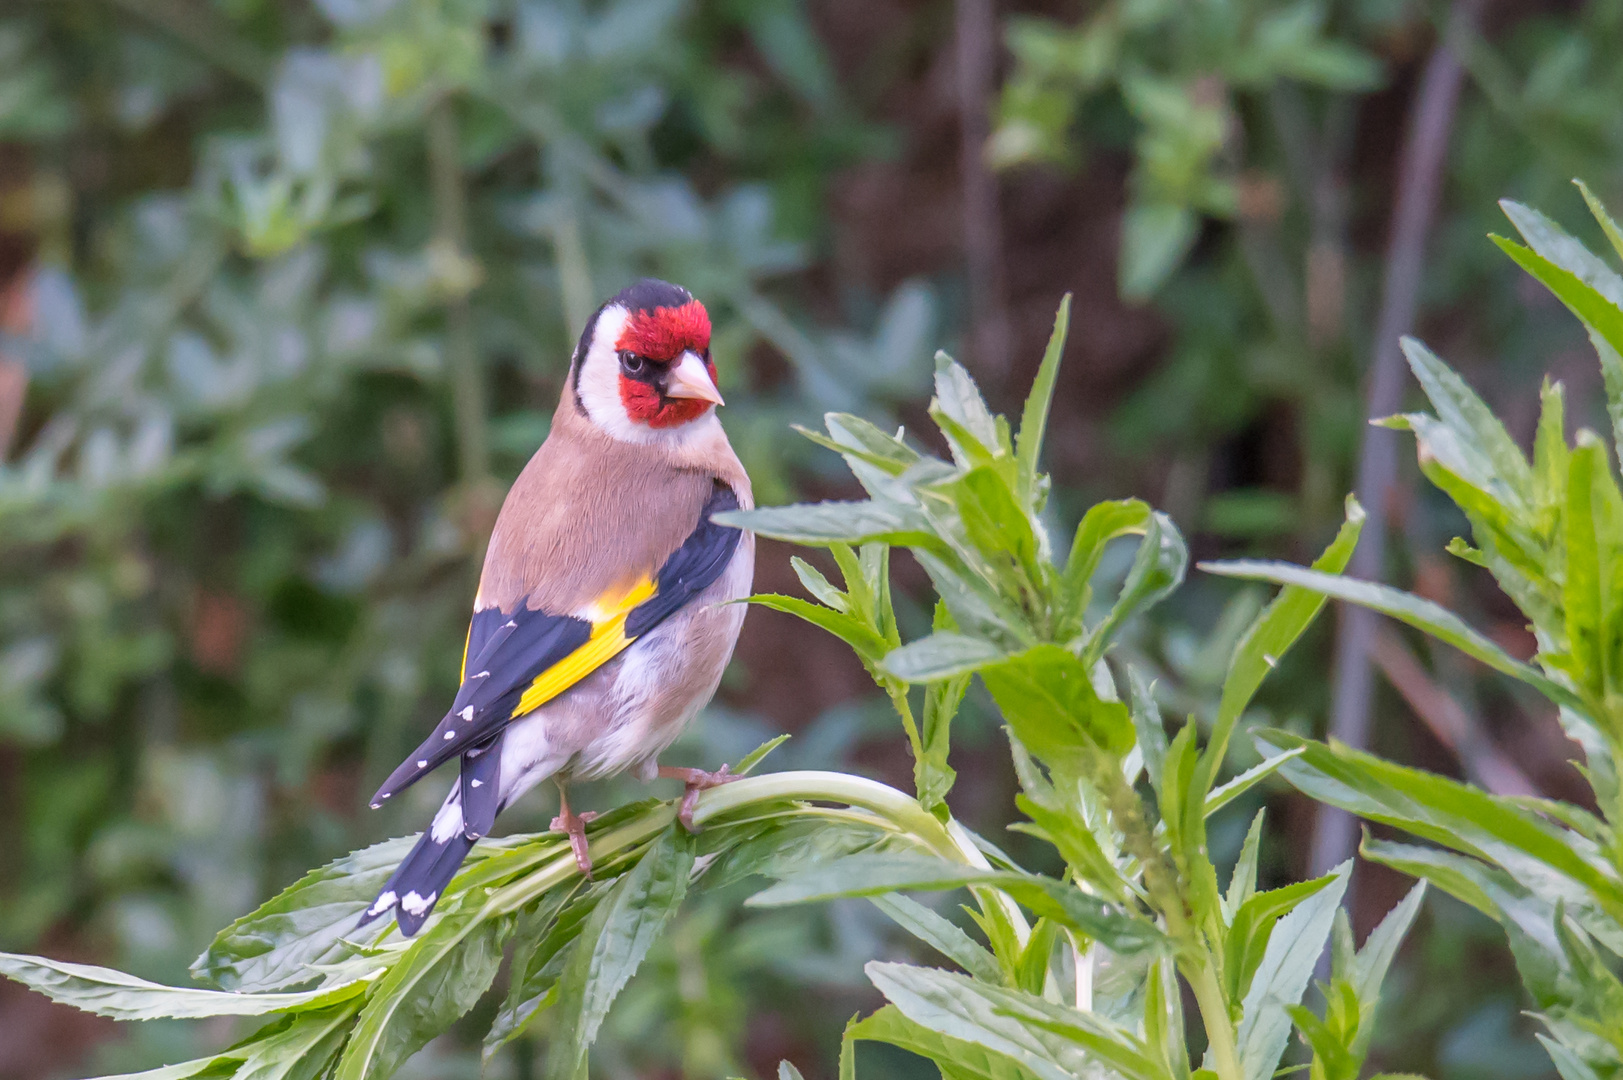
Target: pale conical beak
x,y
689,379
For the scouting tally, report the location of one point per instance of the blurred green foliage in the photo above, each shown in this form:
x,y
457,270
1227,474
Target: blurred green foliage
x,y
305,274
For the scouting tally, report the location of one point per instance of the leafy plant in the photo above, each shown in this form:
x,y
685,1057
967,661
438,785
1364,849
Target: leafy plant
x,y
1550,531
1075,973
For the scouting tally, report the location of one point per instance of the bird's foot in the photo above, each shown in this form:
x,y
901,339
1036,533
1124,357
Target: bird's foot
x,y
697,780
575,826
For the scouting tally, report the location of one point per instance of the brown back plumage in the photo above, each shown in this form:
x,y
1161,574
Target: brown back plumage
x,y
591,514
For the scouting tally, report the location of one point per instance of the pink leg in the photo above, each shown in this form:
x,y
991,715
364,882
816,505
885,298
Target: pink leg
x,y
575,826
697,780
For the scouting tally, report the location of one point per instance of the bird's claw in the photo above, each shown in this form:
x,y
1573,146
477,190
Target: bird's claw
x,y
697,780
574,825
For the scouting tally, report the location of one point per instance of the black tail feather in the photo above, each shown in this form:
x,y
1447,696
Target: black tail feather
x,y
419,881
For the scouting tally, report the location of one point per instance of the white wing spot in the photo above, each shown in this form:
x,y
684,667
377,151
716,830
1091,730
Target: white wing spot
x,y
383,903
483,675
477,783
467,714
423,764
416,905
450,735
510,624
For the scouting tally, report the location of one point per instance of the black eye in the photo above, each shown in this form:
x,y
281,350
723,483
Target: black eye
x,y
632,364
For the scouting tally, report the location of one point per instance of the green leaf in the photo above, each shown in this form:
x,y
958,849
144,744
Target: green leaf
x,y
1558,862
1555,244
1471,421
997,525
1266,641
959,400
962,1058
824,523
612,945
543,937
1283,975
747,763
1243,881
279,944
1381,947
1053,1042
1049,701
1155,237
1586,299
444,972
940,934
106,992
867,644
1607,225
787,1071
1102,523
1593,592
1158,568
942,699
1253,926
1076,843
818,585
1418,613
1227,793
875,874
1148,725
1028,442
941,656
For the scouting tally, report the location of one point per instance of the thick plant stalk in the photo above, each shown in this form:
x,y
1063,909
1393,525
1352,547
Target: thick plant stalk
x,y
1420,172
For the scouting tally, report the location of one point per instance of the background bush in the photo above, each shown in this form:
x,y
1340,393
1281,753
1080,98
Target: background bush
x,y
290,286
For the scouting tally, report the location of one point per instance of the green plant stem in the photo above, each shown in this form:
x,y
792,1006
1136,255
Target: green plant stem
x,y
451,232
1214,1015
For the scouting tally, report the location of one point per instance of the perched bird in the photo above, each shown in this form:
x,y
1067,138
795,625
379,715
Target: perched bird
x,y
601,625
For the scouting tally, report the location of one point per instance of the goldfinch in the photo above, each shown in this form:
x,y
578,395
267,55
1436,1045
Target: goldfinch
x,y
602,622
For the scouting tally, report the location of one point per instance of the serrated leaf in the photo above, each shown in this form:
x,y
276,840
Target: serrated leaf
x,y
444,972
940,934
1416,612
1053,1042
1587,300
1381,947
876,874
1243,881
1266,641
1028,442
962,1058
1283,975
867,644
612,945
1252,929
824,523
278,944
106,992
959,399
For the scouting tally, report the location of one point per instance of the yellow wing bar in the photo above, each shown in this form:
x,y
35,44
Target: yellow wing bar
x,y
608,640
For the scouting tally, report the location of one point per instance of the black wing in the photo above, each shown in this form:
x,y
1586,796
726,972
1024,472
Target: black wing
x,y
526,658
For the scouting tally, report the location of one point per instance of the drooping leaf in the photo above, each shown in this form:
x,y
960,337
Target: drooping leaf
x,y
876,874
1418,613
1283,976
824,523
1252,929
863,640
1558,862
107,992
958,1057
1048,698
612,944
1158,568
942,656
448,967
1053,1042
276,945
940,934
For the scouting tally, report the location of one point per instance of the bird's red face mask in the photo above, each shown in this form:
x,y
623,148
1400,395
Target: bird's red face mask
x,y
666,376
